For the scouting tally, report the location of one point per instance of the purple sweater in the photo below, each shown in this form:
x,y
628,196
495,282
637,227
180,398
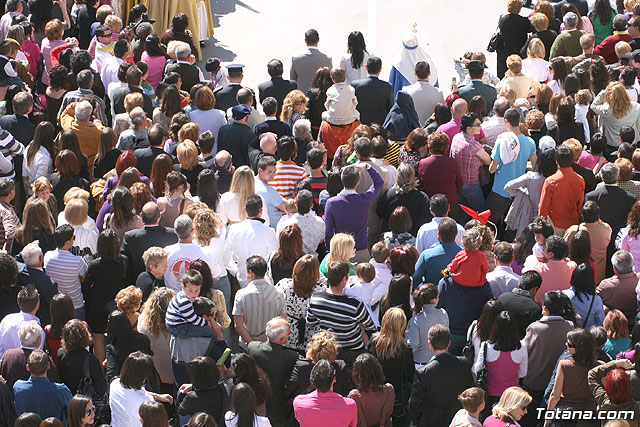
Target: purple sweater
x,y
347,213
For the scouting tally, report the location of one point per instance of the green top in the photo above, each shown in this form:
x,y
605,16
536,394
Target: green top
x,y
323,267
601,31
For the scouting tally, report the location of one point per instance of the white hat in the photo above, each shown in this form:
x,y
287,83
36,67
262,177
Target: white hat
x,y
546,142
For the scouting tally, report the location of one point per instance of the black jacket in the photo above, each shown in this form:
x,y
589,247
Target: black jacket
x,y
278,88
46,287
375,99
546,36
145,157
208,400
521,305
235,138
189,74
436,386
121,92
223,179
278,127
135,242
587,175
226,98
615,204
19,126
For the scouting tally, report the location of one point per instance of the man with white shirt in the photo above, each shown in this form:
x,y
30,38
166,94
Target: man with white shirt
x,y
180,255
312,226
111,64
29,302
494,125
502,279
428,233
425,96
250,237
104,48
14,8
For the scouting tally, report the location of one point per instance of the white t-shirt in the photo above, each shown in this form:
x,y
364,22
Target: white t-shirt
x,y
537,68
215,255
124,403
180,256
231,420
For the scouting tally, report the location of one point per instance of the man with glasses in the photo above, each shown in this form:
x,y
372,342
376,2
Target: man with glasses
x,y
104,47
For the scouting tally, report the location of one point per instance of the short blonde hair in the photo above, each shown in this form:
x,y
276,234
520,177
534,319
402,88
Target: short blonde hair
x,y
471,399
76,211
187,154
189,131
133,100
622,48
512,399
514,63
471,239
625,167
322,345
128,299
508,92
75,193
54,29
540,22
153,256
114,22
587,40
575,146
514,6
536,48
342,246
102,12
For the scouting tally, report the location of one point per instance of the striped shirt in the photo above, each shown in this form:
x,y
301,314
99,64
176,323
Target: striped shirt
x,y
258,303
341,315
288,174
66,269
180,311
317,185
9,147
392,153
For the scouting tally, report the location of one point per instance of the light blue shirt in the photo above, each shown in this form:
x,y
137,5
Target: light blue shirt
x,y
273,200
428,234
515,169
596,317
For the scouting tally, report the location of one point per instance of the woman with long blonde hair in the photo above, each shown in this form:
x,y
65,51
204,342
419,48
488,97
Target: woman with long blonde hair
x,y
231,207
293,107
390,347
151,323
343,248
616,110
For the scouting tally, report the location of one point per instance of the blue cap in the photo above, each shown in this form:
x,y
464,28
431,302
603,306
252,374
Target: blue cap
x,y
235,70
240,111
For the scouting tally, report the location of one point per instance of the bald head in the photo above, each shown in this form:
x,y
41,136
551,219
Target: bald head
x,y
156,135
150,214
268,142
244,96
223,160
500,106
459,108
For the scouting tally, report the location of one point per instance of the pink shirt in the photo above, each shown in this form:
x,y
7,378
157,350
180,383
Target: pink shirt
x,y
325,409
555,274
47,46
452,127
588,160
156,67
33,51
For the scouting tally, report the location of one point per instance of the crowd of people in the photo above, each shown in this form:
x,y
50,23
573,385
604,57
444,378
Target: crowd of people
x,y
179,250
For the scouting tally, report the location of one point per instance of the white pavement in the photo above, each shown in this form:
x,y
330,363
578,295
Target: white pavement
x,y
254,31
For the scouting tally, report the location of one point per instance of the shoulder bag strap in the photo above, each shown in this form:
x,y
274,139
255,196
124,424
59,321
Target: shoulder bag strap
x,y
85,369
584,324
484,360
182,205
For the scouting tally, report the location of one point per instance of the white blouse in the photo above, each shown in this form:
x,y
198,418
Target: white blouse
x,y
229,208
41,165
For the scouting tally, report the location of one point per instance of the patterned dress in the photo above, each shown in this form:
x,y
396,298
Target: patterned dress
x,y
297,313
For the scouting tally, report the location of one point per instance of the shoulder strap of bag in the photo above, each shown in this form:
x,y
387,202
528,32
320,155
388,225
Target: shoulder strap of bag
x,y
584,324
484,358
86,373
182,205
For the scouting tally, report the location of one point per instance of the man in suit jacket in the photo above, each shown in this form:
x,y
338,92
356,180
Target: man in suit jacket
x,y
236,137
18,124
146,156
32,272
305,65
277,87
614,203
424,95
436,385
271,122
226,96
277,362
189,73
135,242
520,302
375,96
477,87
134,79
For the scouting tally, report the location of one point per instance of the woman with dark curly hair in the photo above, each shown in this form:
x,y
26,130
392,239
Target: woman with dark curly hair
x,y
439,173
374,397
600,76
72,355
280,263
178,31
58,83
414,149
567,127
245,370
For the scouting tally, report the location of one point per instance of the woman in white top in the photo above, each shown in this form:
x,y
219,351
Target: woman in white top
x,y
85,240
127,393
244,408
76,193
557,72
38,159
615,109
535,65
480,330
523,85
355,61
231,206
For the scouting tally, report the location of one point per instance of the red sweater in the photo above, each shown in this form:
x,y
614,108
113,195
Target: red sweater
x,y
606,48
469,268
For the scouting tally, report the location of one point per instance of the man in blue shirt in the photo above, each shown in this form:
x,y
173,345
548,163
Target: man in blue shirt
x,y
273,199
508,161
38,394
436,258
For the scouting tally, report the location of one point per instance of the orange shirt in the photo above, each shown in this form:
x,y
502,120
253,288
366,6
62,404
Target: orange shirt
x,y
288,174
562,198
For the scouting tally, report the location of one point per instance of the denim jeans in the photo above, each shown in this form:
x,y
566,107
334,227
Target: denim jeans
x,y
80,313
471,195
224,286
189,330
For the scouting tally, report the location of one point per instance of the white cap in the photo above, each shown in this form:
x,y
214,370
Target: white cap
x,y
546,142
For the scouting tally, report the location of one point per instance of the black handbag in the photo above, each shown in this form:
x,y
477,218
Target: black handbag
x,y
481,376
469,351
495,42
87,387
